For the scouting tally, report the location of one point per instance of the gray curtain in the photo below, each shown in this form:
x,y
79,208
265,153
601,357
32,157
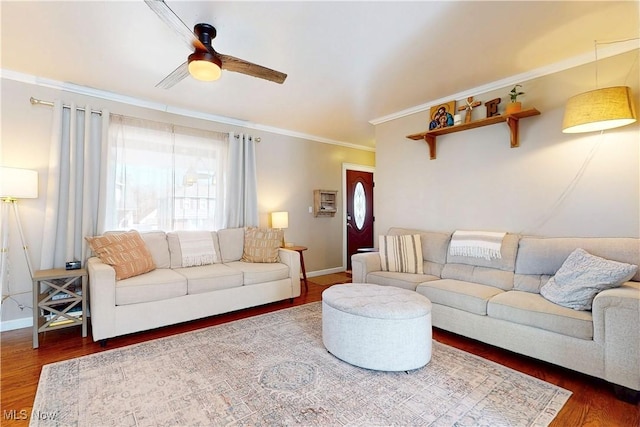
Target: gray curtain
x,y
241,198
75,183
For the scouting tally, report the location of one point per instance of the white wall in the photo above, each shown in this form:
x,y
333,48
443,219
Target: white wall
x,y
479,182
289,169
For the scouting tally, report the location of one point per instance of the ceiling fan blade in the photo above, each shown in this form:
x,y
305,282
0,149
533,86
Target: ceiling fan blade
x,y
175,23
175,76
237,65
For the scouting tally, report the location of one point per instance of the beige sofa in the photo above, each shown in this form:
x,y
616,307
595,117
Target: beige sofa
x,y
498,302
171,294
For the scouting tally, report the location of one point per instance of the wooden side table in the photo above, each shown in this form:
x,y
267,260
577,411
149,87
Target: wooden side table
x,y
301,249
59,300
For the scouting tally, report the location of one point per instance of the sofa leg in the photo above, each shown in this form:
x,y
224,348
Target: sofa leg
x,y
626,394
103,343
290,300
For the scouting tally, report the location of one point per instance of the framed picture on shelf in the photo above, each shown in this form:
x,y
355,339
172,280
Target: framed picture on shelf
x,y
441,115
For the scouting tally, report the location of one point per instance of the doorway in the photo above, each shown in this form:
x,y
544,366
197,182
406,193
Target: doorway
x,y
359,218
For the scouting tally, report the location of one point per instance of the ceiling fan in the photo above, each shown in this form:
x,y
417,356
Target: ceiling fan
x,y
205,63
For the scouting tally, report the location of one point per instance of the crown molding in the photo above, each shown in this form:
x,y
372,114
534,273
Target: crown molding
x,y
605,52
137,102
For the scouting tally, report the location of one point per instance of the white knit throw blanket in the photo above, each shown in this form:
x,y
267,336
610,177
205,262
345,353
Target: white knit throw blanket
x,y
196,248
477,244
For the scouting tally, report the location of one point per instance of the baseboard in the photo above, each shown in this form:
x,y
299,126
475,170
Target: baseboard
x,y
10,325
327,271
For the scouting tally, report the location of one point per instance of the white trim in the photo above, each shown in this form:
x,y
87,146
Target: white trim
x,y
137,102
10,325
354,167
605,52
325,271
311,137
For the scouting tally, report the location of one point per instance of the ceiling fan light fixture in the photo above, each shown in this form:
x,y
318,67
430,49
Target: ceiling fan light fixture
x,y
205,66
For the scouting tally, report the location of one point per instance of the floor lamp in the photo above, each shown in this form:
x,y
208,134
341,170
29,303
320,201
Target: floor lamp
x,y
15,184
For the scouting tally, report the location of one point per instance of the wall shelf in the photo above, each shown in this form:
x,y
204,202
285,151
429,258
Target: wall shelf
x,y
325,203
512,120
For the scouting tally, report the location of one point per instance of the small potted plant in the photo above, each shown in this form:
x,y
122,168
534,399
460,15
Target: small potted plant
x,y
514,106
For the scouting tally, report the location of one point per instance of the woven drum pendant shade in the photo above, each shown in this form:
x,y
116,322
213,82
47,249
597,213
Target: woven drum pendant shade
x,y
599,109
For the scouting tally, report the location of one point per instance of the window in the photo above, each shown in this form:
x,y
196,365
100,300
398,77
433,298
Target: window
x,y
359,205
164,177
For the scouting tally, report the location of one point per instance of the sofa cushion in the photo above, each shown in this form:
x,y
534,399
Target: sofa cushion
x,y
544,255
582,276
261,272
434,244
531,309
193,248
402,254
399,280
482,275
158,246
467,296
126,252
156,285
495,272
231,242
262,244
211,277
530,282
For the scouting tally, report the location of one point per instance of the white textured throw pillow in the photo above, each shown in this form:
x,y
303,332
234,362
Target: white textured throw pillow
x,y
401,254
582,276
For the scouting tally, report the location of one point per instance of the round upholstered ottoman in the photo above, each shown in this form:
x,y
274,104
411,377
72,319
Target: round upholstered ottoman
x,y
377,327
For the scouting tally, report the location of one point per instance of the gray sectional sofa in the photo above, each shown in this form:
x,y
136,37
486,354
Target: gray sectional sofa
x,y
172,294
498,302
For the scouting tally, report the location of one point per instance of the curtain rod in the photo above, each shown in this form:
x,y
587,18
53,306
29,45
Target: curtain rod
x,y
35,101
251,138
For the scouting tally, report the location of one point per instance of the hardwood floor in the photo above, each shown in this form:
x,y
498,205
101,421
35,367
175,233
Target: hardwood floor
x,y
592,403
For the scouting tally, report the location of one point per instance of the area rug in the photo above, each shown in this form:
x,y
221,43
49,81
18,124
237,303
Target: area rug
x,y
272,370
331,279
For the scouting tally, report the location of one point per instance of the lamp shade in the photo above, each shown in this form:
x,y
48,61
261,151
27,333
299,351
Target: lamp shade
x,y
280,219
18,183
599,109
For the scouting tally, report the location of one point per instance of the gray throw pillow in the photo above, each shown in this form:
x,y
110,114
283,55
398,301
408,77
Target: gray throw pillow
x,y
582,276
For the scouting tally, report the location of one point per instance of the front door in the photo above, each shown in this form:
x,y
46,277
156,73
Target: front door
x,y
359,193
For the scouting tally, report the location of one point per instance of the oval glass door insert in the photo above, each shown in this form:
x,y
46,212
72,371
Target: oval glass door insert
x,y
359,205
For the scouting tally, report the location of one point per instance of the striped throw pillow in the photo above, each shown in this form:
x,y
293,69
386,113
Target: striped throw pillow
x,y
401,254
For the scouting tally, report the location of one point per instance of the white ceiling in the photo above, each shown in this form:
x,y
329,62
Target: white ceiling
x,y
347,62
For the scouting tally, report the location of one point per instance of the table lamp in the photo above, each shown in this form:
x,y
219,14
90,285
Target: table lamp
x,y
280,220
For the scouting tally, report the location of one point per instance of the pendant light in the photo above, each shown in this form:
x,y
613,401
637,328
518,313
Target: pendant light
x,y
599,109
